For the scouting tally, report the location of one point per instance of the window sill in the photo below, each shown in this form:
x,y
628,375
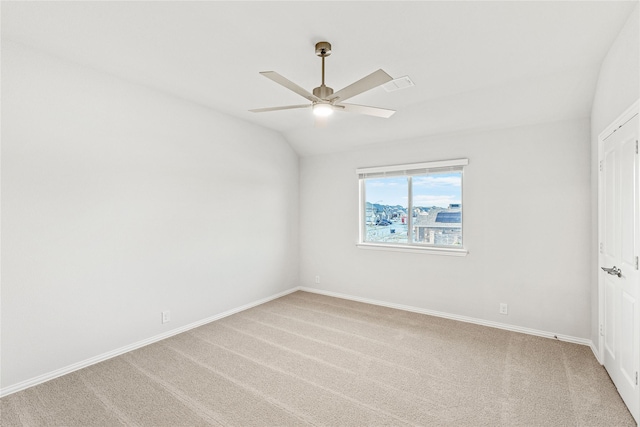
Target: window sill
x,y
414,249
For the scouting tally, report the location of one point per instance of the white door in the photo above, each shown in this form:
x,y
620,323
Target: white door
x,y
619,251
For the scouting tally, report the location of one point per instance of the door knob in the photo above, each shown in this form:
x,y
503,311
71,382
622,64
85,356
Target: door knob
x,y
614,271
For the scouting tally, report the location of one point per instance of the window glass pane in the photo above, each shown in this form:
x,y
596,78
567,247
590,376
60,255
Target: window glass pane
x,y
386,205
437,209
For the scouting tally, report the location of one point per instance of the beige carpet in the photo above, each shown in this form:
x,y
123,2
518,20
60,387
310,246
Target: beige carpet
x,y
307,359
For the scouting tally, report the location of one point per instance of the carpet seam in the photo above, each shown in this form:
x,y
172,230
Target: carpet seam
x,y
506,383
357,402
195,406
250,389
329,328
569,383
106,402
362,322
384,343
310,300
387,386
348,350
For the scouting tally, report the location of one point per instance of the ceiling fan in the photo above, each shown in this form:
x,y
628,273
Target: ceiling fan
x,y
323,100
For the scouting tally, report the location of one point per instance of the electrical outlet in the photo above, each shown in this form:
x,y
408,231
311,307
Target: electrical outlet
x,y
504,308
317,279
166,316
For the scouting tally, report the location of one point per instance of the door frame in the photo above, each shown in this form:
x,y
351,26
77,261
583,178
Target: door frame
x,y
627,115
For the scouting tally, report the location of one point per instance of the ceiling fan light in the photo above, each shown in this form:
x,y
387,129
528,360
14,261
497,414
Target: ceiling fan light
x,y
322,110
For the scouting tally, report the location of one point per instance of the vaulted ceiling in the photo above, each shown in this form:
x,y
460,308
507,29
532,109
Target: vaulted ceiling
x,y
475,64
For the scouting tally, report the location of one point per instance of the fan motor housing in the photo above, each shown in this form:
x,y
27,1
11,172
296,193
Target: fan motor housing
x,y
323,91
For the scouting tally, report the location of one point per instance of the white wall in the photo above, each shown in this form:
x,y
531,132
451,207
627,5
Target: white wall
x,y
618,87
527,229
119,202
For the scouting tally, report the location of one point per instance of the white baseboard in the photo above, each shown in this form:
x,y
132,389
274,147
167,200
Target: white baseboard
x,y
596,353
466,319
108,355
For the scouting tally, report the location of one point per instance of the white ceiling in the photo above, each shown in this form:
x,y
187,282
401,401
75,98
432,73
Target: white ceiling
x,y
475,64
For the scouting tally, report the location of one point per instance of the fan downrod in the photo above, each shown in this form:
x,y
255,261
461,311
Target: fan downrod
x,y
323,49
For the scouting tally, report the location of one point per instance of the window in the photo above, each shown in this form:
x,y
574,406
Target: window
x,y
415,207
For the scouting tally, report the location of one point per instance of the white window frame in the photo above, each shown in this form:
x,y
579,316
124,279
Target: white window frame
x,y
407,170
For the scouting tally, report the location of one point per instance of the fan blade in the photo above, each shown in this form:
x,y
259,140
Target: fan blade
x,y
289,85
374,79
286,107
369,111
